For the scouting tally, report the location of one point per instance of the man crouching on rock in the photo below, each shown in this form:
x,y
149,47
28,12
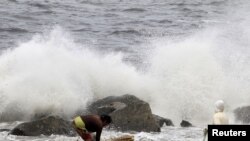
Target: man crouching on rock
x,y
85,125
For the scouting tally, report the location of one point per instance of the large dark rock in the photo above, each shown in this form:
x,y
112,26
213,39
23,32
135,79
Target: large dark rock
x,y
45,126
161,121
128,113
242,114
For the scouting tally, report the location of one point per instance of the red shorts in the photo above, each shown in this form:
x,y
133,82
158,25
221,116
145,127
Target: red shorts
x,y
86,136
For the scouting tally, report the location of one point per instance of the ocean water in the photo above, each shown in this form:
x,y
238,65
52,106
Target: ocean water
x,y
178,55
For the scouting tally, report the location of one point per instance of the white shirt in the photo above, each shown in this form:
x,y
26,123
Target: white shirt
x,y
220,118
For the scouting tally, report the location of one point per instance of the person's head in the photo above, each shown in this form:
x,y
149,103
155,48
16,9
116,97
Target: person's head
x,y
106,119
219,106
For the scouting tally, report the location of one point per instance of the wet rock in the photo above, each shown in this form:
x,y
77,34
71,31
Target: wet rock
x,y
185,123
45,126
242,114
161,121
128,113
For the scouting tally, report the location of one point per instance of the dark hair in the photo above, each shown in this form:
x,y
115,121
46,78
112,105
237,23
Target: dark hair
x,y
106,118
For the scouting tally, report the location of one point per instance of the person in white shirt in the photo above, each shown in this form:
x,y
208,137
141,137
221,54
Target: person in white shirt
x,y
219,116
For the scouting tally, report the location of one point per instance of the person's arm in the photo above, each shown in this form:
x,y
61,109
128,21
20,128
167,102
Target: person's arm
x,y
98,134
80,132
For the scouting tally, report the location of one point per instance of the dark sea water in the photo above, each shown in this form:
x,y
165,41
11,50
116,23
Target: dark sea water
x,y
108,25
178,55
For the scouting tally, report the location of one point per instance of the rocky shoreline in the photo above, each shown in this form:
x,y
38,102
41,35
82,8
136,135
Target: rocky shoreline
x,y
129,114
